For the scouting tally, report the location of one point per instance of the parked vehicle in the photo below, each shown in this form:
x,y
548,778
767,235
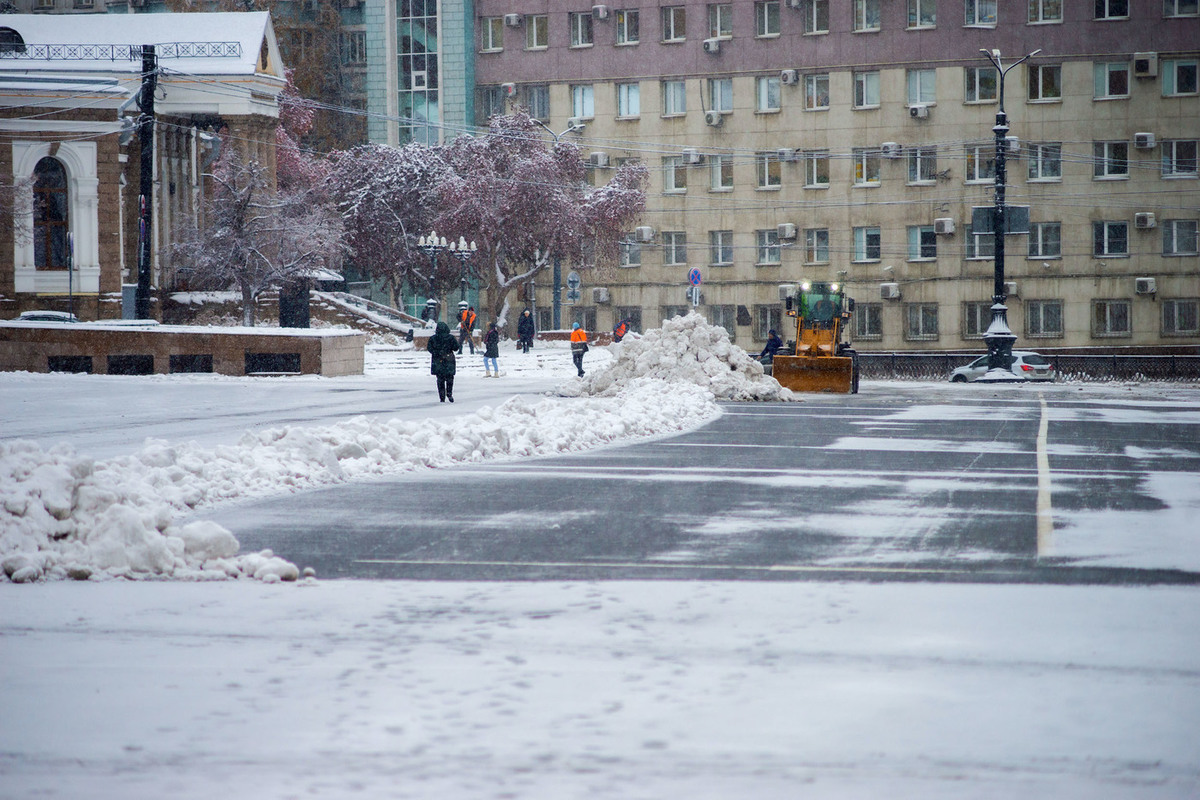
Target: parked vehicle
x,y
1025,364
46,316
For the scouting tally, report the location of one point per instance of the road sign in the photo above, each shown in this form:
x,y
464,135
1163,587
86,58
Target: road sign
x,y
573,280
694,276
694,294
573,295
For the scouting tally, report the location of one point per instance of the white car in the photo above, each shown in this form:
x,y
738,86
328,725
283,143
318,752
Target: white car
x,y
46,316
1027,365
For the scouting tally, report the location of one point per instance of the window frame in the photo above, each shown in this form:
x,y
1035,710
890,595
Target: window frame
x,y
921,160
1036,83
630,254
1103,10
491,35
866,16
926,315
1042,158
814,160
768,250
768,171
915,15
976,319
583,100
922,243
720,248
1109,234
976,13
720,167
583,33
868,322
674,245
812,91
868,166
628,20
922,76
674,175
1171,9
816,14
864,82
1171,236
980,155
1107,167
720,21
629,100
1170,307
1110,69
767,318
864,246
816,245
1171,68
1176,167
720,95
974,85
1036,319
1039,240
1103,317
762,101
763,19
674,97
537,32
674,22
1042,18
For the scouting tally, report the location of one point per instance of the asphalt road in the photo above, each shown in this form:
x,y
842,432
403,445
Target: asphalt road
x,y
843,487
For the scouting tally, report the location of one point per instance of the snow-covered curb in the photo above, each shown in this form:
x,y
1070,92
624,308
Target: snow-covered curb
x,y
64,516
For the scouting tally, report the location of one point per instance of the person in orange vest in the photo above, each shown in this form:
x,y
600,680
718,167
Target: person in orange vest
x,y
579,346
466,324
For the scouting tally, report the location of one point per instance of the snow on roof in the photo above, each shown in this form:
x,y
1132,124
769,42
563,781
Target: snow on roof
x,y
247,32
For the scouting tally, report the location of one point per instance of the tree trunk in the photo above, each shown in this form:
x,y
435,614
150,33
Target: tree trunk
x,y
247,307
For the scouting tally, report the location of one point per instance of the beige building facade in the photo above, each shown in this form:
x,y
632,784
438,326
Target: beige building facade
x,y
850,142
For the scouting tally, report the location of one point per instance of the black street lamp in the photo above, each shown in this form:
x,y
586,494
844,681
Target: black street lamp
x,y
463,252
432,245
999,336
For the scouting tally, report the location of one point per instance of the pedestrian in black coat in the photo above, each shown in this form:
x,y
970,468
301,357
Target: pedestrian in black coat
x,y
525,330
491,351
442,348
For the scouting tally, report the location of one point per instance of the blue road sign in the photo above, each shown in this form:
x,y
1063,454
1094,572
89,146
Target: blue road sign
x,y
694,276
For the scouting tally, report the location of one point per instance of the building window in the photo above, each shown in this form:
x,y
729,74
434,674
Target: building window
x,y
922,243
816,169
674,98
981,246
720,248
1045,240
922,86
767,319
674,174
816,16
671,312
1179,237
1180,317
981,163
977,316
1110,318
1044,319
581,28
720,21
922,165
1045,11
51,217
866,166
538,100
631,254
1181,8
920,322
867,244
816,246
980,12
1045,82
866,90
922,13
720,95
868,321
866,15
354,47
585,316
1179,77
491,33
770,173
981,85
629,102
766,18
674,248
627,26
721,173
1179,158
767,93
724,317
1110,159
1110,239
583,101
768,247
491,102
632,315
674,19
816,92
1045,161
1112,9
537,32
1112,80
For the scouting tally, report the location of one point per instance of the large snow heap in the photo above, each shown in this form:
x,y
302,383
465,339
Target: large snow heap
x,y
685,350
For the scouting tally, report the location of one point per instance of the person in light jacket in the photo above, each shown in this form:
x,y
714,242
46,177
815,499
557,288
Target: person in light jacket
x,y
442,347
491,351
579,346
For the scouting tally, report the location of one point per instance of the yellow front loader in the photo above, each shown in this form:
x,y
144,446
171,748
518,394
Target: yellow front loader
x,y
822,362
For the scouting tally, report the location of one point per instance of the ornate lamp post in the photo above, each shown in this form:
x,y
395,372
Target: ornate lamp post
x,y
556,294
999,336
463,252
432,245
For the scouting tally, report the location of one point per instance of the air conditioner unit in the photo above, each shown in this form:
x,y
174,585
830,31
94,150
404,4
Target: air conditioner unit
x,y
1144,220
1145,286
889,291
1145,65
599,12
692,156
796,3
712,46
1143,141
575,124
644,233
785,154
713,118
786,230
890,149
510,89
943,226
1012,146
513,20
786,290
1010,289
598,159
789,76
920,111
599,294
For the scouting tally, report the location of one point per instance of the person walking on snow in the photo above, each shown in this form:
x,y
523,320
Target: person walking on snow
x,y
466,324
442,347
579,346
491,351
525,330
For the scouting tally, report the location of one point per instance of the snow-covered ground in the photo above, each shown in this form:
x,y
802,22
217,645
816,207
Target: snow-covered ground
x,y
150,689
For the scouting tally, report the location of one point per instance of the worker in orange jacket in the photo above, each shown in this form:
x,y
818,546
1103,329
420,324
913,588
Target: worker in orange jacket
x,y
466,324
579,346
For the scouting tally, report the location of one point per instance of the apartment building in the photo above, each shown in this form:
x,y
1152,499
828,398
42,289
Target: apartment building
x,y
849,142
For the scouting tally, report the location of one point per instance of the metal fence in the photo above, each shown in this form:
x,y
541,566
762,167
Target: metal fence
x,y
938,366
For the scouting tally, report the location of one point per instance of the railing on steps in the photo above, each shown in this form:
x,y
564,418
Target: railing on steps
x,y
375,312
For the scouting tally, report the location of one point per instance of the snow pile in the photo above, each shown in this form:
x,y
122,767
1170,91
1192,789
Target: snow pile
x,y
65,516
685,350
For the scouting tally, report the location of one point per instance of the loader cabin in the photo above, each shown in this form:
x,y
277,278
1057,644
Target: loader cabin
x,y
819,305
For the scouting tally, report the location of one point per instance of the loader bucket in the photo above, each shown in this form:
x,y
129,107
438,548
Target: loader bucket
x,y
825,374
